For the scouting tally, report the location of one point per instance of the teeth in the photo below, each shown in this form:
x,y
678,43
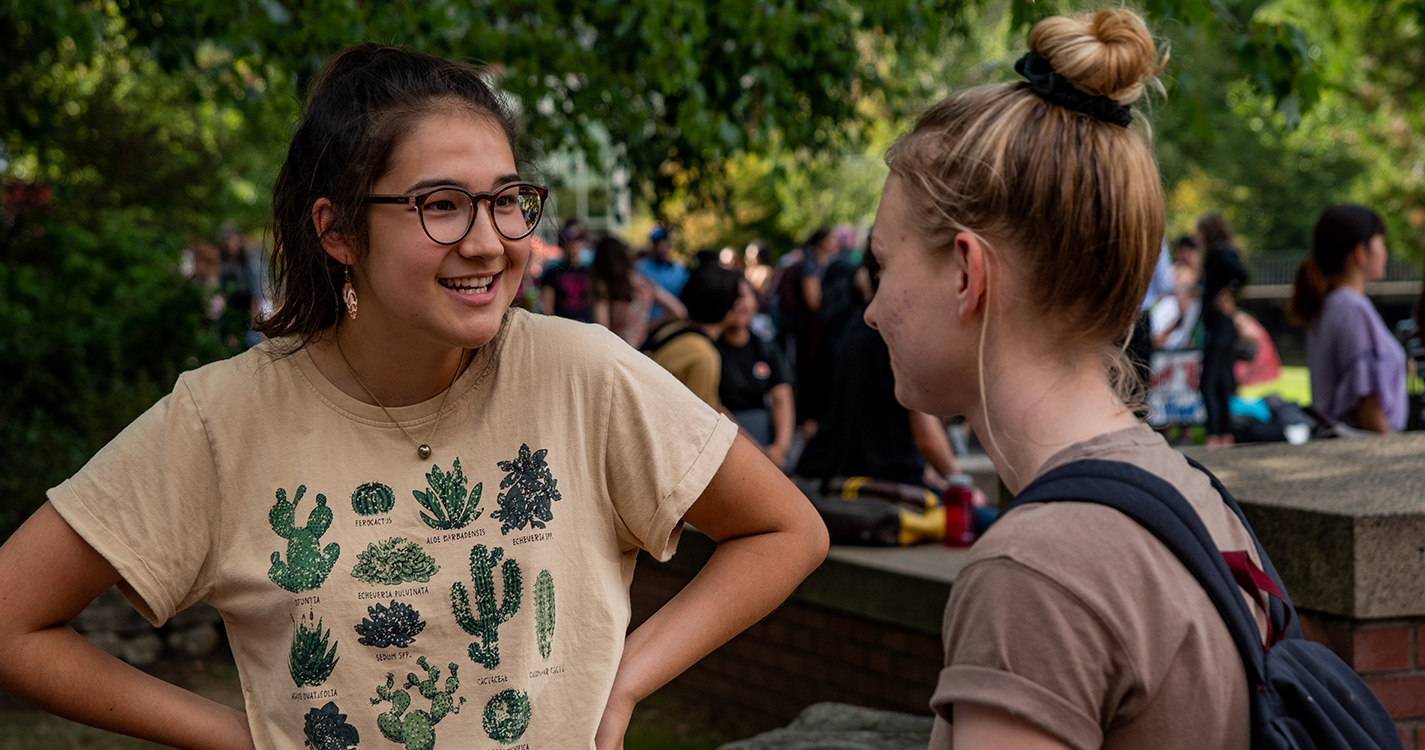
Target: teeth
x,y
478,285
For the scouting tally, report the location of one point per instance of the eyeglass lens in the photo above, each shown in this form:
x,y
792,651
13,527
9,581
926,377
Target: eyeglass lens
x,y
448,214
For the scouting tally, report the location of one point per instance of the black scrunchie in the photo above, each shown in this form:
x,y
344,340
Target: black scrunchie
x,y
1055,89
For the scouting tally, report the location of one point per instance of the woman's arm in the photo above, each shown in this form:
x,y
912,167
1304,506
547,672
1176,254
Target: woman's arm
x,y
48,574
981,727
811,292
672,306
783,417
769,538
1369,415
932,443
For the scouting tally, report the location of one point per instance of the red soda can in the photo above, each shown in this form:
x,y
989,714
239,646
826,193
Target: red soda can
x,y
959,501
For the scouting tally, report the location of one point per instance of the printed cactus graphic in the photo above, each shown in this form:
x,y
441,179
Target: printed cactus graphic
x,y
544,612
393,562
416,729
327,729
373,499
484,622
310,662
507,716
447,499
529,492
397,625
307,565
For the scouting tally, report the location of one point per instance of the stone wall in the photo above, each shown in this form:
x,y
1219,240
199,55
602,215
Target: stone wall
x,y
112,624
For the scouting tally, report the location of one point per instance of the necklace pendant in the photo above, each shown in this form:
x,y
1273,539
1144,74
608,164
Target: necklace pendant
x,y
423,451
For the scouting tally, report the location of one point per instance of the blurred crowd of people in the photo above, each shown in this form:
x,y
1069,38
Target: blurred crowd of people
x,y
233,278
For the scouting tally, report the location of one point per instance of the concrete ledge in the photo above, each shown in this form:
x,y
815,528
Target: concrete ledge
x,y
1343,520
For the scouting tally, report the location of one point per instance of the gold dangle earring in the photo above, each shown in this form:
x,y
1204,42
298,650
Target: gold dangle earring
x,y
348,294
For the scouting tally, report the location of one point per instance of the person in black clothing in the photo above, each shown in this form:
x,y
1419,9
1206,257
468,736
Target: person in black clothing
x,y
753,374
1222,275
866,432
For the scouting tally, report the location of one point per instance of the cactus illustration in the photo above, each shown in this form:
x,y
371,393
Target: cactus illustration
x,y
397,625
416,729
530,492
373,499
507,716
307,565
544,612
310,662
393,562
484,623
447,499
327,729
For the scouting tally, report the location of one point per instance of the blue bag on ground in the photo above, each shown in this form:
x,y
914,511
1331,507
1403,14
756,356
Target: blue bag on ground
x,y
1303,695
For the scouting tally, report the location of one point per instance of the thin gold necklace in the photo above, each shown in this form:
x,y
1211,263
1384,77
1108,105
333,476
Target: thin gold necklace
x,y
422,448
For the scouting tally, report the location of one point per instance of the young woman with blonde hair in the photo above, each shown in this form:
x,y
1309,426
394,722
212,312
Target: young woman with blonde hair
x,y
1017,233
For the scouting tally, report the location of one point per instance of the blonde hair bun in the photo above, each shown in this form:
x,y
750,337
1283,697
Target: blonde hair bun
x,y
1107,53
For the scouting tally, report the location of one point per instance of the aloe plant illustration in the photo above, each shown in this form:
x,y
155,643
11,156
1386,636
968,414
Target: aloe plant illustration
x,y
530,491
447,499
396,625
416,728
394,562
326,729
310,661
507,716
485,619
544,612
307,564
372,499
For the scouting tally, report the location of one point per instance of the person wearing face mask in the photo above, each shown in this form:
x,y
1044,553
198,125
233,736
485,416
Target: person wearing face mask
x,y
564,287
1357,367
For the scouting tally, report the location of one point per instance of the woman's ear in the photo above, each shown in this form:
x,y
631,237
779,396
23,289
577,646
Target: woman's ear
x,y
971,274
323,214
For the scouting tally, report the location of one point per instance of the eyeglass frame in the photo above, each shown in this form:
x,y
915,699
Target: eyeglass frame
x,y
418,201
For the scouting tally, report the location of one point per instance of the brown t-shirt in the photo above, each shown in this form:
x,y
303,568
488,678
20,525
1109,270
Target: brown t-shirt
x,y
1076,619
370,593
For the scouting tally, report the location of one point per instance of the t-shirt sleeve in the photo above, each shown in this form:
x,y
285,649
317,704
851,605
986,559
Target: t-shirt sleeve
x,y
1018,641
663,447
1358,359
149,503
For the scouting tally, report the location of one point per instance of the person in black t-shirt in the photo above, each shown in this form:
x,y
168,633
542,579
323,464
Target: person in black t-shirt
x,y
755,388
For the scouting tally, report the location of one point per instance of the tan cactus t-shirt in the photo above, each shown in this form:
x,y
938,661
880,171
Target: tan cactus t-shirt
x,y
476,599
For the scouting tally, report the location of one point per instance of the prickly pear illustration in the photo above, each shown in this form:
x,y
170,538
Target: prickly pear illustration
x,y
309,661
484,622
530,491
327,729
372,499
416,729
307,565
447,499
507,716
544,612
397,625
394,562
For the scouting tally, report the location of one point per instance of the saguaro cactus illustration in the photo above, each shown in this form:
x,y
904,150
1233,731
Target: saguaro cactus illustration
x,y
394,562
310,661
507,716
447,499
484,621
307,565
397,625
372,499
416,729
544,612
326,729
530,491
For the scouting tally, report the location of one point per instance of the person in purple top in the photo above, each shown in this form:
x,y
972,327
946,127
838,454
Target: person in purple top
x,y
1357,367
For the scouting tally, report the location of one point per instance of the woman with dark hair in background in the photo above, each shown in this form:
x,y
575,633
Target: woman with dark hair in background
x,y
1222,276
623,298
1357,367
685,347
756,388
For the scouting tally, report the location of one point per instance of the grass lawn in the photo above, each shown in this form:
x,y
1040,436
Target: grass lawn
x,y
1294,384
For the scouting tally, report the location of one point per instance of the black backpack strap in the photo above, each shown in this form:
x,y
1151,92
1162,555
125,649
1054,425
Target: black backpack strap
x,y
1158,507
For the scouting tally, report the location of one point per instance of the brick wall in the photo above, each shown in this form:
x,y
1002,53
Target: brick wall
x,y
1388,655
800,655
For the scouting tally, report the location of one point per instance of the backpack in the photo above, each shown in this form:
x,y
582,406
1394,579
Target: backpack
x,y
1303,695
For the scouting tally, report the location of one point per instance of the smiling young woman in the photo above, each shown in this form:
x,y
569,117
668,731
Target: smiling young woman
x,y
392,499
